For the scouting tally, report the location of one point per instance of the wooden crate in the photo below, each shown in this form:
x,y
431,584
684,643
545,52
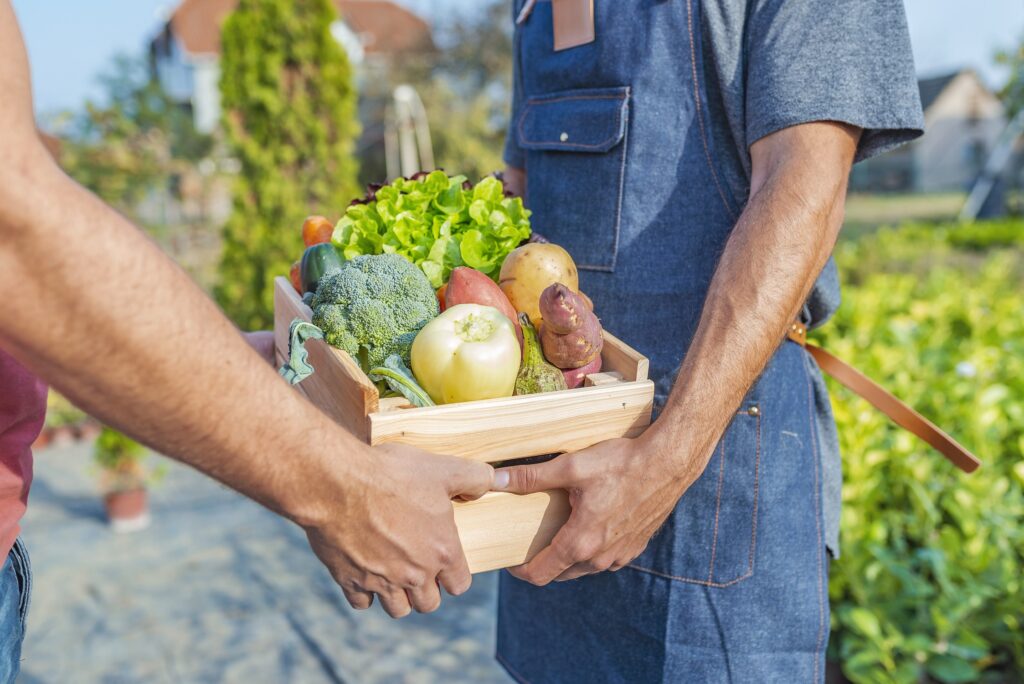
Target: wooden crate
x,y
498,530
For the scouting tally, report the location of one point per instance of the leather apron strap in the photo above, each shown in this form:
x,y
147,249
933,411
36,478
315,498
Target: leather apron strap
x,y
901,414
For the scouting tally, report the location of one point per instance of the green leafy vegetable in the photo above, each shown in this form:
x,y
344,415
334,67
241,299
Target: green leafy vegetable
x,y
298,368
400,379
438,223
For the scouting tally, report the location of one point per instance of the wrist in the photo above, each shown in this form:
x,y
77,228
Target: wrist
x,y
325,480
670,452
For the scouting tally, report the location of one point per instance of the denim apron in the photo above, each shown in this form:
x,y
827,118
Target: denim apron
x,y
621,171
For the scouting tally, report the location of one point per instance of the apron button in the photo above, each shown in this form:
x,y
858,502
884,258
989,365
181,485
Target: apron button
x,y
564,136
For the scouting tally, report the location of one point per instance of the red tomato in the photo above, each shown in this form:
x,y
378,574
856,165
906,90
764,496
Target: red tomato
x,y
295,277
317,230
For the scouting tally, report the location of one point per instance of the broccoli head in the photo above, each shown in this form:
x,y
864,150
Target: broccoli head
x,y
373,307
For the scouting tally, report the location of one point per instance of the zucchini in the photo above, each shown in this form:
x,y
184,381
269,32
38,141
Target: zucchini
x,y
318,261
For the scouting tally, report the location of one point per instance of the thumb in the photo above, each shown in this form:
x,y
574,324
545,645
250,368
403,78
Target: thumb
x,y
469,480
535,477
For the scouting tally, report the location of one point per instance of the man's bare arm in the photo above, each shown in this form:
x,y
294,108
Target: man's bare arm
x,y
94,308
623,490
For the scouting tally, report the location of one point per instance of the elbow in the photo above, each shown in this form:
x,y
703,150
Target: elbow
x,y
28,167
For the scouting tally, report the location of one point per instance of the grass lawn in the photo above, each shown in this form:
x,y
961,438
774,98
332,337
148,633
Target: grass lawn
x,y
866,212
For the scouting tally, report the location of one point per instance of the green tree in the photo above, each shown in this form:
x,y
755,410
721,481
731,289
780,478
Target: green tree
x,y
290,120
1012,91
131,141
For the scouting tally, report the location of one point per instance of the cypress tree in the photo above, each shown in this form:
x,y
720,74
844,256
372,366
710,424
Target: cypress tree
x,y
289,117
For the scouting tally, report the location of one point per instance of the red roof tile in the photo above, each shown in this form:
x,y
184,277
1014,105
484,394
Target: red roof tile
x,y
383,26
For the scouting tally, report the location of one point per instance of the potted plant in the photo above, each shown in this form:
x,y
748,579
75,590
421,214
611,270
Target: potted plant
x,y
124,480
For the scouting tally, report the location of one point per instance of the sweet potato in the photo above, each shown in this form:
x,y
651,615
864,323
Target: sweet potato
x,y
571,334
574,377
469,286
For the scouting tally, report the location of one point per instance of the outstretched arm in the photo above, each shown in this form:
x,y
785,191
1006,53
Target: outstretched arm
x,y
623,490
94,308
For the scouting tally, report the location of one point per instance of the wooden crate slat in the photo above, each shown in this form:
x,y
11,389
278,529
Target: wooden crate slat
x,y
502,530
338,386
618,356
514,427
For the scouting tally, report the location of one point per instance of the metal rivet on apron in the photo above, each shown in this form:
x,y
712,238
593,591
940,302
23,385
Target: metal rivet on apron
x,y
754,411
564,136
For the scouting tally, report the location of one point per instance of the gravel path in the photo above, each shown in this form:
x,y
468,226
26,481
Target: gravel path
x,y
216,590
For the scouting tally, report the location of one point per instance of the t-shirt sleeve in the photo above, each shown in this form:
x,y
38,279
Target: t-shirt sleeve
x,y
832,60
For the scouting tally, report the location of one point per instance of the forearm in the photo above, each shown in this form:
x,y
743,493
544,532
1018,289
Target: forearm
x,y
95,309
776,251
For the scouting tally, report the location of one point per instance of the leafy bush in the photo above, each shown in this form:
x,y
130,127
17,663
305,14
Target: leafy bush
x,y
290,120
929,585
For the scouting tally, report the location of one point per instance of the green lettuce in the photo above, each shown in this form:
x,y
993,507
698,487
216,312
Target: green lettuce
x,y
437,222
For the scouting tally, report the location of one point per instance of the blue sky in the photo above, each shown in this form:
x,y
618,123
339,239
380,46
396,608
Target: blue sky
x,y
71,41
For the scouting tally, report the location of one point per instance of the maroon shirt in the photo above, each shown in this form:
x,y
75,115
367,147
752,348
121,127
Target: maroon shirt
x,y
22,410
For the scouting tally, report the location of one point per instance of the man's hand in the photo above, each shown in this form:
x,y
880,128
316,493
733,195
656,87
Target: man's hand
x,y
262,342
394,533
621,491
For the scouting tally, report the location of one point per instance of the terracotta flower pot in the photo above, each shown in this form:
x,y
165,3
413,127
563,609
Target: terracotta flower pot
x,y
127,511
43,440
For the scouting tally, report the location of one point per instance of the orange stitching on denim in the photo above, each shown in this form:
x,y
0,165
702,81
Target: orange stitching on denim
x,y
718,509
700,115
753,532
511,670
757,489
817,521
688,580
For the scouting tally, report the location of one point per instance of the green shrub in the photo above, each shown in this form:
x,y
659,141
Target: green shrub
x,y
929,584
290,121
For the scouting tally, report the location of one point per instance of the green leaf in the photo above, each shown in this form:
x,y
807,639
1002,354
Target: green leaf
x,y
865,622
951,670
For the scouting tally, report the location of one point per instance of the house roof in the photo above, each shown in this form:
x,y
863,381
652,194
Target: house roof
x,y
383,26
931,88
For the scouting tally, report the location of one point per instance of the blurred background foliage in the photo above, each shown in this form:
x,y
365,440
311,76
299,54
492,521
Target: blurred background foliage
x,y
929,583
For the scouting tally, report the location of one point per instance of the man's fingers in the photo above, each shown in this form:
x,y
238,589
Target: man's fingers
x,y
358,599
469,480
536,477
395,602
425,598
455,578
551,561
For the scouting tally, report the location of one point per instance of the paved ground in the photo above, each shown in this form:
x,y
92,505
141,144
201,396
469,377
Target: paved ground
x,y
217,590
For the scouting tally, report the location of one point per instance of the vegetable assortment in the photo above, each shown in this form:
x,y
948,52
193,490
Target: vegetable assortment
x,y
434,275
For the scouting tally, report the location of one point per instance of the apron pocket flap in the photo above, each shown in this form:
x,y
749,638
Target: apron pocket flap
x,y
592,120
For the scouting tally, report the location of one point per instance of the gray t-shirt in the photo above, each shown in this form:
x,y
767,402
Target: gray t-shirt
x,y
771,64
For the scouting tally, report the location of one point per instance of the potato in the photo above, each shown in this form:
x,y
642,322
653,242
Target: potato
x,y
530,269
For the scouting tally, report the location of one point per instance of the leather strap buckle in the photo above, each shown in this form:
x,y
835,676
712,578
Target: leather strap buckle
x,y
876,395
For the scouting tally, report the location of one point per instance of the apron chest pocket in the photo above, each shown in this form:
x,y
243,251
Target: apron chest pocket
x,y
710,538
575,144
